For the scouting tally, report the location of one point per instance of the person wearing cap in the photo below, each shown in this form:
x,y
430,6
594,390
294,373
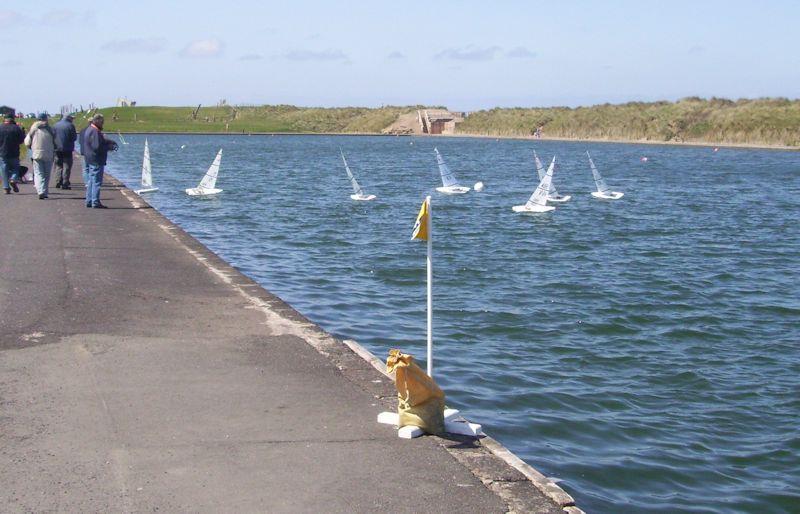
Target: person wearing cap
x,y
41,141
95,149
65,144
11,137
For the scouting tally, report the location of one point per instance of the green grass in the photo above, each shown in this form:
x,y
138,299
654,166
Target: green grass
x,y
765,121
268,118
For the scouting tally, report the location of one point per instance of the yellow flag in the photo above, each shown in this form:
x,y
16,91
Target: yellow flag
x,y
421,226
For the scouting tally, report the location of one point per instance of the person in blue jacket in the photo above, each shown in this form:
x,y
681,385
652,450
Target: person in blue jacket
x,y
95,148
65,145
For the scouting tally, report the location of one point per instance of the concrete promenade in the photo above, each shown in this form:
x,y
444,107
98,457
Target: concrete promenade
x,y
140,372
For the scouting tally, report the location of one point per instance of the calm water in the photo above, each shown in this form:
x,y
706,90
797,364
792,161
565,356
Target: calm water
x,y
646,351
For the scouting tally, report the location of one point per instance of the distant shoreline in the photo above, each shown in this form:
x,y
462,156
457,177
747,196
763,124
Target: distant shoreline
x,y
751,146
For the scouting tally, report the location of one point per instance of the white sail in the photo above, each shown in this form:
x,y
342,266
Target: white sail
x,y
122,139
448,179
209,180
353,182
598,180
539,167
539,197
147,171
540,171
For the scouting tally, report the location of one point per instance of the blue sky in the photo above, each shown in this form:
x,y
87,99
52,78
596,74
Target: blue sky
x,y
465,55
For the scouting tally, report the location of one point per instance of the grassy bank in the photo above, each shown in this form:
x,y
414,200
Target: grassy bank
x,y
762,122
236,119
769,121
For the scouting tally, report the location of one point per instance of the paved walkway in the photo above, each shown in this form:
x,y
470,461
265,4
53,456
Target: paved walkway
x,y
139,372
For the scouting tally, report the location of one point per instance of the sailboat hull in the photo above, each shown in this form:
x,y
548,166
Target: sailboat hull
x,y
148,190
199,191
363,198
453,190
611,195
559,198
532,209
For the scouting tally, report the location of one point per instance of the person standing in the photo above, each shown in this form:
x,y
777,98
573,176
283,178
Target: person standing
x,y
41,141
82,145
11,137
95,148
65,145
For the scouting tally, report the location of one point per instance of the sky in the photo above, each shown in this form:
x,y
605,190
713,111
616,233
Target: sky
x,y
466,55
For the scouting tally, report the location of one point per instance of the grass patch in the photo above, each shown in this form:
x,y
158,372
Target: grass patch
x,y
767,121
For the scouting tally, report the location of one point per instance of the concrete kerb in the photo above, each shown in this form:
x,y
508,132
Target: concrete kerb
x,y
496,466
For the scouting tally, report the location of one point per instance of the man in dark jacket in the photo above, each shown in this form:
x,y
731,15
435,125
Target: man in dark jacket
x,y
95,148
65,144
11,137
81,136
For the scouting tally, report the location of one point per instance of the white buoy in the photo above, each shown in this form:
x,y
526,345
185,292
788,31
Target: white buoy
x,y
478,186
183,146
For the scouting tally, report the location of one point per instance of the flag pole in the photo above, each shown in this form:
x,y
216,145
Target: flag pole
x,y
430,288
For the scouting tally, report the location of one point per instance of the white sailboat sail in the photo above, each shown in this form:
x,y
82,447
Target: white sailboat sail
x,y
539,197
540,171
147,171
448,179
602,187
353,182
122,139
209,180
539,167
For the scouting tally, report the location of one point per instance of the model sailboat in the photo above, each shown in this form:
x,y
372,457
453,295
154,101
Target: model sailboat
x,y
122,139
450,185
147,173
552,194
208,185
603,192
538,200
358,193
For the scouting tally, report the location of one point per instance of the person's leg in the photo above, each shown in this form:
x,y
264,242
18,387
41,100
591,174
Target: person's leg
x,y
87,181
4,169
86,176
59,168
93,185
96,183
38,176
13,173
67,170
46,170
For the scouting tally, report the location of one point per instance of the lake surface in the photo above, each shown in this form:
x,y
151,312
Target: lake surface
x,y
646,351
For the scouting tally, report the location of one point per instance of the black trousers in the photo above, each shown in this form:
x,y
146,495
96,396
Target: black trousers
x,y
63,167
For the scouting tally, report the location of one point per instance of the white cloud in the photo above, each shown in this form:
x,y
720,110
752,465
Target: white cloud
x,y
311,55
10,17
136,45
203,48
469,53
520,52
58,17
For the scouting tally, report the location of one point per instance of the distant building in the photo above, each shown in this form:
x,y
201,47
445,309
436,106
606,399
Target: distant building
x,y
124,102
439,121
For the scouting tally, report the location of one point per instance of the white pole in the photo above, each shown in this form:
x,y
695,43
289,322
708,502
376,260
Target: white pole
x,y
430,288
